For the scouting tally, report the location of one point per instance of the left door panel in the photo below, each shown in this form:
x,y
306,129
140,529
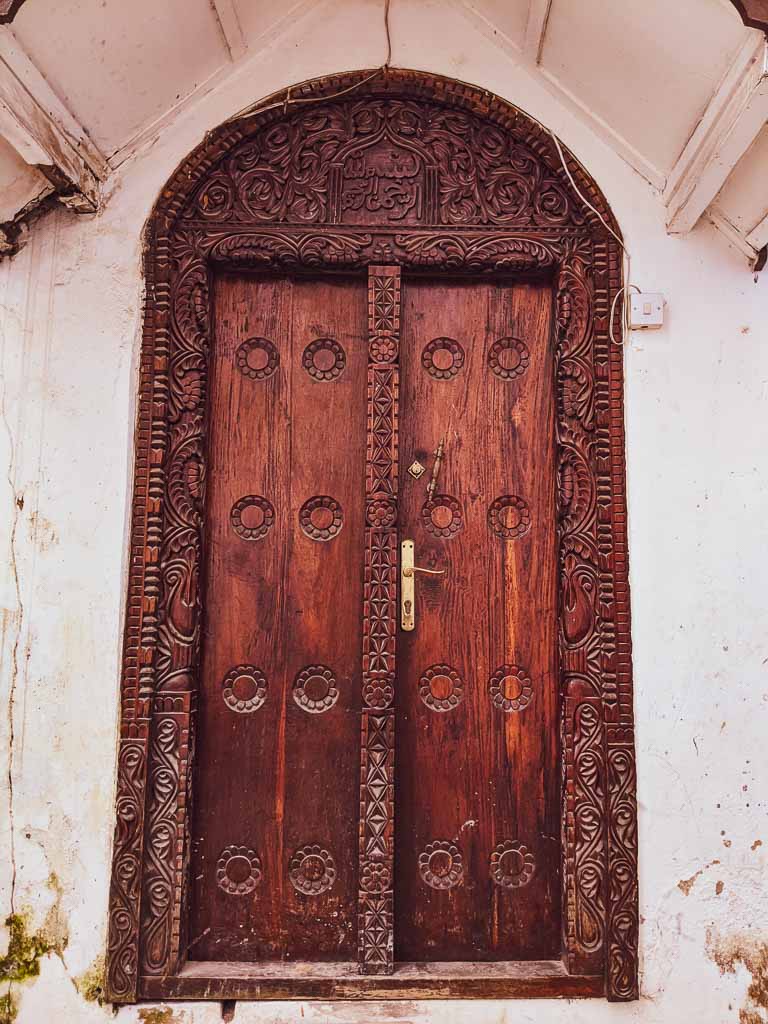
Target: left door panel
x,y
276,790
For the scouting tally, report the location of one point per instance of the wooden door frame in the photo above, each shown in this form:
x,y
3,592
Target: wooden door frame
x,y
478,215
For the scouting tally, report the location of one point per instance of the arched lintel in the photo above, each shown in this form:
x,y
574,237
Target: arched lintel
x,y
394,83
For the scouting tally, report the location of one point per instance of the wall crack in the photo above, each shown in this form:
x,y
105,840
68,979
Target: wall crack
x,y
18,505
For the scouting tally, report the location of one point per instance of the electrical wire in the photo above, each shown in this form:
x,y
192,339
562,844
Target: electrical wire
x,y
289,100
626,289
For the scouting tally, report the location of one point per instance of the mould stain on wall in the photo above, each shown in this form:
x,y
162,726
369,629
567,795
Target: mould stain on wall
x,y
728,951
21,962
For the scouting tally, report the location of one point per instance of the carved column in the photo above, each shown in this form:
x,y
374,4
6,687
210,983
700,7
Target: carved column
x,y
621,803
178,634
582,635
375,901
141,629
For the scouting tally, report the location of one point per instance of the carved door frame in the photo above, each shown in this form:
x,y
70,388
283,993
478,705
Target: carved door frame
x,y
496,201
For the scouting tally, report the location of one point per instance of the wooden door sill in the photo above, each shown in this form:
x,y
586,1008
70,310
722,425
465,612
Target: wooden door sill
x,y
514,979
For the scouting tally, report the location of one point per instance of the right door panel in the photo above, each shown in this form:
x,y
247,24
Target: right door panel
x,y
477,781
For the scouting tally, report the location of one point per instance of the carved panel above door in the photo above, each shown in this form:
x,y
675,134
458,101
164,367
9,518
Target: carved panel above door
x,y
388,161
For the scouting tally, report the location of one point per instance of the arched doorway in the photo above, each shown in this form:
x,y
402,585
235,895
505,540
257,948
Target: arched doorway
x,y
375,319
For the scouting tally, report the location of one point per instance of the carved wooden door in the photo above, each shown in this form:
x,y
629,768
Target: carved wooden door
x,y
274,858
292,860
298,778
477,788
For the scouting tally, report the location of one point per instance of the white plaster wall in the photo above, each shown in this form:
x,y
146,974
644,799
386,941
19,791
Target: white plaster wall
x,y
698,500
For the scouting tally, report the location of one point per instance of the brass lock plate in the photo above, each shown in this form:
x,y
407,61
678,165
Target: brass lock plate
x,y
416,469
407,587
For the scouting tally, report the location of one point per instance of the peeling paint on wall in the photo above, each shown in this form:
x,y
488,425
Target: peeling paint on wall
x,y
686,884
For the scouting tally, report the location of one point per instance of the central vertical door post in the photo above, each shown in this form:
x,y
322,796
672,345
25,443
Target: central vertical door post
x,y
375,894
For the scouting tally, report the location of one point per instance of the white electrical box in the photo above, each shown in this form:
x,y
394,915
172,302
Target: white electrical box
x,y
646,310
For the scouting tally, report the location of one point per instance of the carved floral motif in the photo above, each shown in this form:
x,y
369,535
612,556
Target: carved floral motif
x,y
510,688
442,358
441,688
509,517
257,358
512,864
244,689
252,517
508,358
324,359
238,870
321,517
315,690
442,516
441,865
312,870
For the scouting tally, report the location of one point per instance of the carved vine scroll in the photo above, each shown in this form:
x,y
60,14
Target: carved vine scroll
x,y
407,173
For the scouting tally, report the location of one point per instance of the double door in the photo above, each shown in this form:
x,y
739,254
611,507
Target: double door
x,y
377,752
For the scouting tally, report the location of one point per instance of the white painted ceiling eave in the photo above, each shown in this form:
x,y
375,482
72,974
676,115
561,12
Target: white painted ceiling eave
x,y
680,91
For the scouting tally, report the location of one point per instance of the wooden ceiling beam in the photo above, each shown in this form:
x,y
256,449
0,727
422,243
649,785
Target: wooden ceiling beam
x,y
758,236
231,29
44,133
730,124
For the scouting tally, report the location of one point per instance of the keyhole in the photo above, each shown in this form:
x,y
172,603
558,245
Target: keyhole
x,y
407,607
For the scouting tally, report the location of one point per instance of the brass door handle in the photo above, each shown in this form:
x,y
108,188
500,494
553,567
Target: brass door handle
x,y
408,585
